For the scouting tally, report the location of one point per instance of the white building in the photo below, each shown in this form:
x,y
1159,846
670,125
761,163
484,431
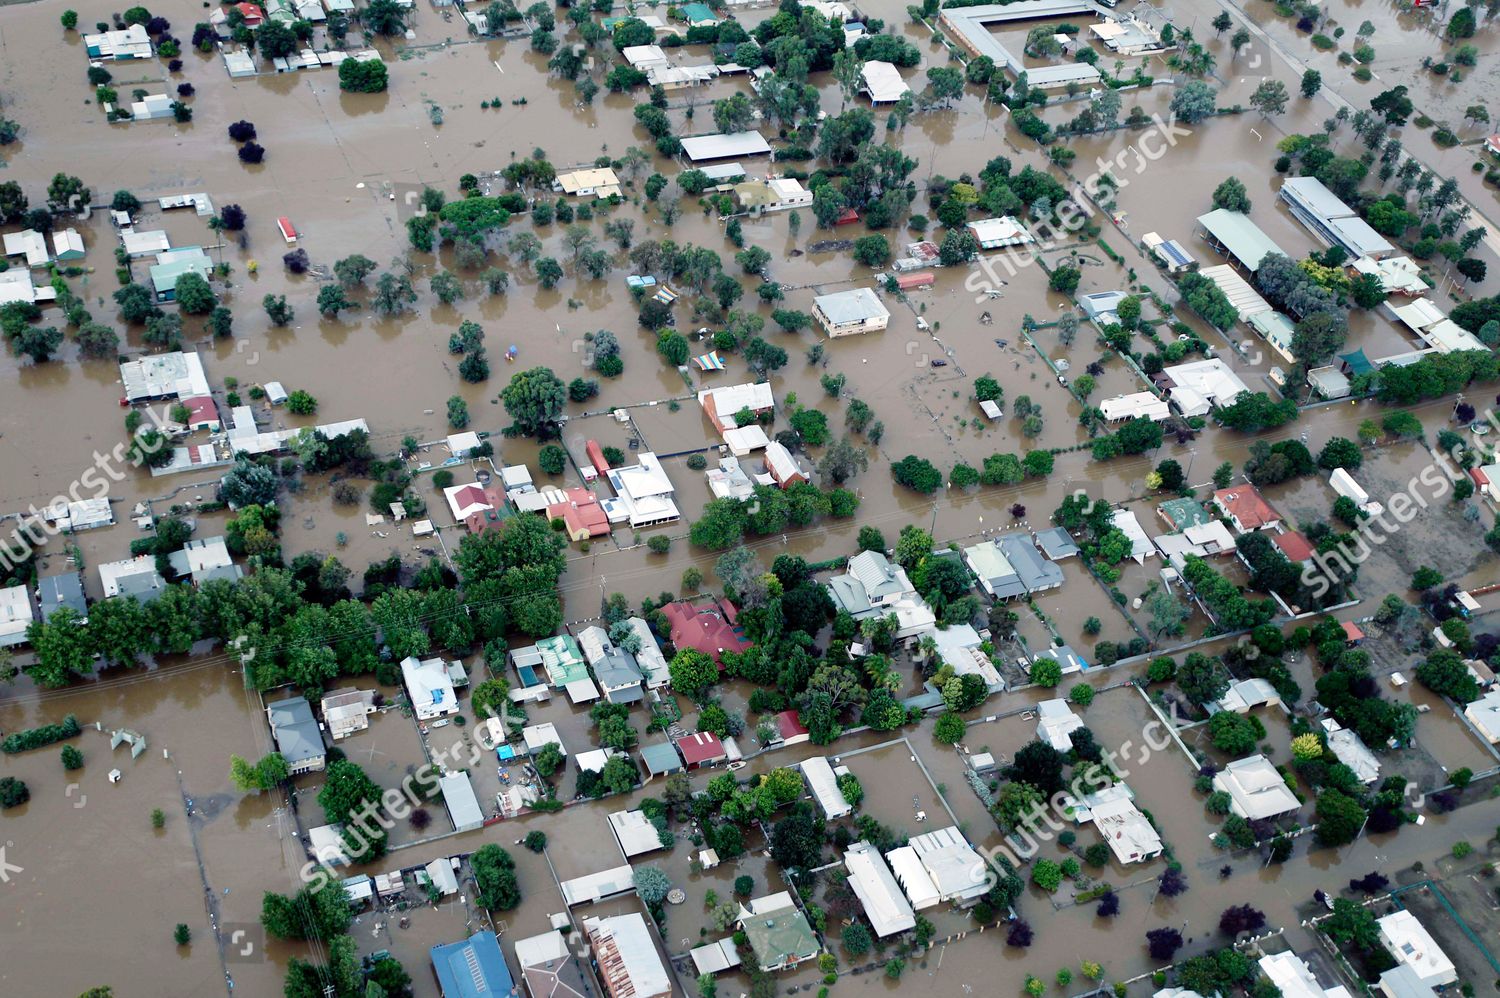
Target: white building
x,y
1351,751
28,243
1000,233
1247,694
16,614
629,965
1127,831
1484,714
1135,406
1256,789
849,313
164,376
539,736
913,877
873,883
1295,979
136,577
461,802
643,494
874,586
955,869
1198,386
824,784
131,43
347,711
430,687
882,82
724,403
1056,723
634,832
1412,945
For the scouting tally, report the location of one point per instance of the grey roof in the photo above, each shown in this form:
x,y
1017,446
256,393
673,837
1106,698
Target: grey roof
x,y
701,147
855,305
142,585
970,24
1035,571
295,730
1056,543
1317,207
57,591
661,757
1403,981
617,669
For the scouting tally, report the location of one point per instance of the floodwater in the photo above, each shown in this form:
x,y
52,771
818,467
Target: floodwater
x,y
88,852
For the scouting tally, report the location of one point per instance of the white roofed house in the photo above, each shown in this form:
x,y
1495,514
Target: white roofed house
x,y
999,233
874,586
1243,696
960,647
136,577
956,871
882,82
700,148
644,495
1294,978
1135,406
649,658
1351,751
130,43
629,965
16,615
347,711
1484,714
645,57
1126,830
67,244
1256,789
1413,946
873,883
28,243
722,405
849,313
430,687
825,788
1056,723
1331,220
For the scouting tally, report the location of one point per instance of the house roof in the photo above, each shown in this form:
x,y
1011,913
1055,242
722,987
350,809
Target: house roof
x,y
701,147
57,591
1056,543
295,730
549,967
634,832
843,308
882,81
1294,545
789,725
957,871
1245,505
1184,512
661,757
598,886
701,747
825,787
1035,572
1126,830
1411,944
779,936
473,968
1239,236
1256,789
710,628
463,804
873,883
628,961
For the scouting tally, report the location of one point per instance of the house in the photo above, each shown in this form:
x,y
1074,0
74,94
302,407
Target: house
x,y
701,749
643,494
172,264
915,883
1011,566
562,660
680,77
460,800
783,468
956,871
1237,291
326,845
1208,540
789,729
1171,254
28,243
772,194
723,405
873,587
1413,946
581,514
1056,543
1484,714
1000,233
1063,655
1294,978
825,787
1331,220
132,577
297,735
882,83
140,244
715,957
699,148
17,286
67,244
1398,275
131,43
429,685
660,759
550,968
1182,513
1102,307
628,963
1296,547
596,182
729,480
1344,484
873,883
1247,694
709,628
57,591
1329,382
1129,833
1233,234
644,57
1196,387
347,711
1135,406
473,968
1125,521
202,414
466,500
1056,723
206,559
960,648
539,736
1246,509
634,833
698,15
649,658
618,677
996,575
16,615
1256,789
163,376
778,932
1351,751
847,313
594,887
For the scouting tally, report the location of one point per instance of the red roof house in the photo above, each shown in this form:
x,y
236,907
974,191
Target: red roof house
x,y
1352,632
1294,546
288,230
790,729
709,628
582,514
484,520
202,413
701,749
1246,508
596,457
253,14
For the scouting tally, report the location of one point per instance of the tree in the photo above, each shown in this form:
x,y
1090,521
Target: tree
x,y
252,153
362,76
1065,279
494,874
68,194
277,310
535,400
1235,734
1393,104
856,939
651,884
352,271
873,251
692,672
182,935
1193,102
1163,943
1312,82
917,474
1340,818
71,758
384,17
949,729
1340,452
1270,98
1351,924
1231,196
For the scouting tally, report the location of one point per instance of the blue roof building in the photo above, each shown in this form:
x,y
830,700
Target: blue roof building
x,y
473,968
